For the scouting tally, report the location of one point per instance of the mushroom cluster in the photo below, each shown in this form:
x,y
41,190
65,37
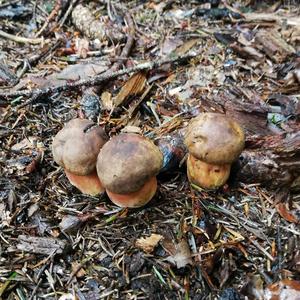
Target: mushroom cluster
x,y
126,166
214,142
75,148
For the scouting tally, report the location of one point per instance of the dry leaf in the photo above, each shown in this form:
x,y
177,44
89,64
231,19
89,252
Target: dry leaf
x,y
149,243
182,256
27,143
132,129
71,72
169,45
134,86
286,214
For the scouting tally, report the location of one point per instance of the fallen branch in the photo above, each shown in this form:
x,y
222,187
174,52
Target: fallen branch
x,y
97,79
20,39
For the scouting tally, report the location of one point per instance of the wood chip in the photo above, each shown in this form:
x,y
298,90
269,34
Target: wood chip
x,y
134,86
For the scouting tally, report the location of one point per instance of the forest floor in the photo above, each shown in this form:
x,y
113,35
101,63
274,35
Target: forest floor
x,y
148,67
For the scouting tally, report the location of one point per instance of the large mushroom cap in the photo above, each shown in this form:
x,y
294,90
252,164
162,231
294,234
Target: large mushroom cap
x,y
126,162
214,138
76,146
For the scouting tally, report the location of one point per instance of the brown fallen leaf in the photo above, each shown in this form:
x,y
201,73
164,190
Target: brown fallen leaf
x,y
182,256
69,73
134,86
253,288
286,213
149,243
32,166
283,290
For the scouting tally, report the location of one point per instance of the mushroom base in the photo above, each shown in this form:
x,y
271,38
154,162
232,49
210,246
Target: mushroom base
x,y
135,199
88,184
207,176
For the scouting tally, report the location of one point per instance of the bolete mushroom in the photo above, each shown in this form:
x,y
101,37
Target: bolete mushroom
x,y
75,148
127,166
214,141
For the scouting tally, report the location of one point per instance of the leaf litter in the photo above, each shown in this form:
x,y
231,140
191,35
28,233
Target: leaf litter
x,y
241,242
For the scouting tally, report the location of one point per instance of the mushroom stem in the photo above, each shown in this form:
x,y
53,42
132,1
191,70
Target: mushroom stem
x,y
205,175
88,184
135,199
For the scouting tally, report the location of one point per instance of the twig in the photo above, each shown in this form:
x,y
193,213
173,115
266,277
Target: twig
x,y
259,247
52,15
20,39
97,79
66,15
34,59
129,43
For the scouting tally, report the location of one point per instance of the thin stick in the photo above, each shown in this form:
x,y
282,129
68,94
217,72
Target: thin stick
x,y
20,39
97,79
68,12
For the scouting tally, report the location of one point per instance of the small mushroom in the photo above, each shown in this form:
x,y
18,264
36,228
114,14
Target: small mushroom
x,y
75,148
214,141
127,166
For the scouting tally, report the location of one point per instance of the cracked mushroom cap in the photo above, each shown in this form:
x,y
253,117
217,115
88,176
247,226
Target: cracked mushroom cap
x,y
214,138
127,161
77,145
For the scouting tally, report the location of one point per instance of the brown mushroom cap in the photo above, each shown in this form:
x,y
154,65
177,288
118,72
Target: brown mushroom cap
x,y
214,138
126,162
77,145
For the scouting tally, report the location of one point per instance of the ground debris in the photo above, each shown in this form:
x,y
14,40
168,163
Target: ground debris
x,y
148,67
149,243
41,245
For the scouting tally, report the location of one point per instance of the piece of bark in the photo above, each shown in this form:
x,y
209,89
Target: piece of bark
x,y
173,149
251,114
38,245
273,161
247,52
267,169
133,87
283,144
276,48
90,103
